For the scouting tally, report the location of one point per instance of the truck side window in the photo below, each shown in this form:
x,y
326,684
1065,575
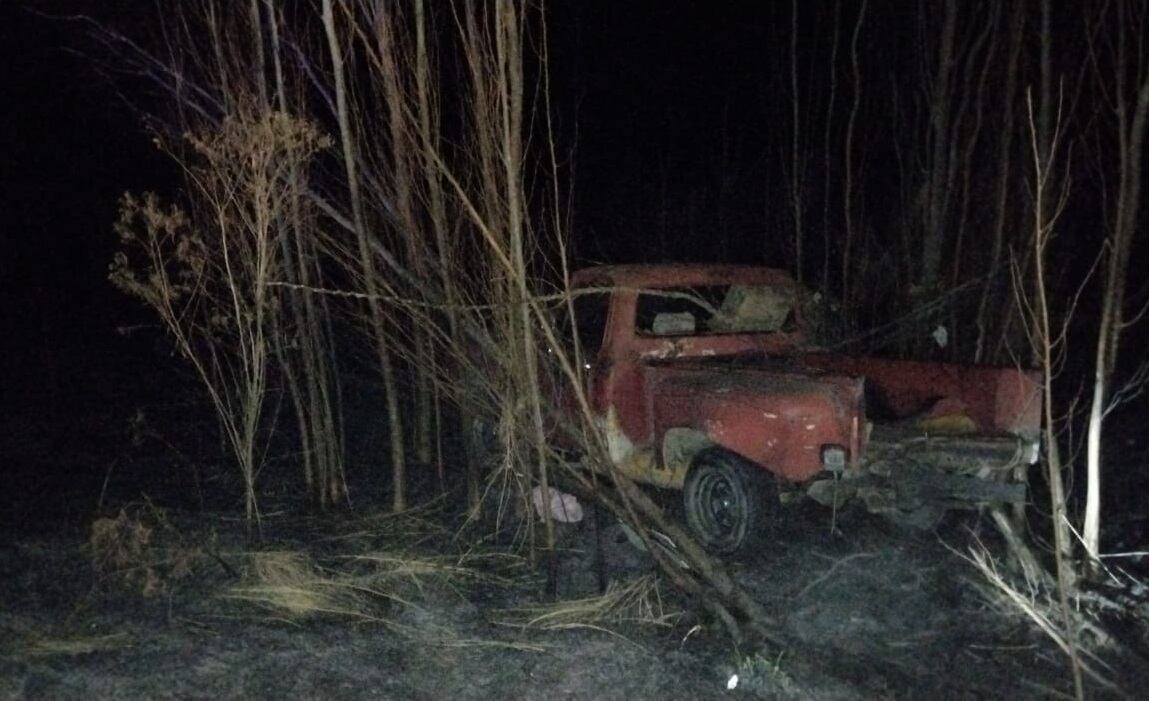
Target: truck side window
x,y
715,309
679,311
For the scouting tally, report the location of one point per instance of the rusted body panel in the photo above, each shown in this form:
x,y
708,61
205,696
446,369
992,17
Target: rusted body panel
x,y
997,400
777,419
768,397
646,388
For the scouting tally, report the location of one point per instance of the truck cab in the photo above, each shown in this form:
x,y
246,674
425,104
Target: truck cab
x,y
709,379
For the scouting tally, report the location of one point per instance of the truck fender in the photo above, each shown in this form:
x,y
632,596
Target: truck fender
x,y
679,446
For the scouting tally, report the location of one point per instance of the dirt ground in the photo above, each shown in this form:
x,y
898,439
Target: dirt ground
x,y
871,614
177,599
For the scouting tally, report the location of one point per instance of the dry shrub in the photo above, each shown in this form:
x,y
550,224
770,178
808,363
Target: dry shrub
x,y
205,267
137,551
447,236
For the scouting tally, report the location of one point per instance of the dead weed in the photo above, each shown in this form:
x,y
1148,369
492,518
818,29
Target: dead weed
x,y
139,551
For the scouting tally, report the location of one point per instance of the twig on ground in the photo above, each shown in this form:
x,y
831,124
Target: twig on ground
x,y
828,573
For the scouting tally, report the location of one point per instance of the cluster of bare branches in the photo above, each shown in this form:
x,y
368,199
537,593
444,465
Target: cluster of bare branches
x,y
416,215
1017,200
207,270
377,224
374,179
944,243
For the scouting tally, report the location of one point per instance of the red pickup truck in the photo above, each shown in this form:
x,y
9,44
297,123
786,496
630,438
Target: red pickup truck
x,y
710,380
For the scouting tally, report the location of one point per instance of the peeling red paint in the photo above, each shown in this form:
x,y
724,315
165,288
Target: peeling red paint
x,y
766,396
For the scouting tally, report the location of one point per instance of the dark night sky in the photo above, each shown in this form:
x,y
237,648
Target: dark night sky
x,y
662,92
68,381
652,87
68,148
673,105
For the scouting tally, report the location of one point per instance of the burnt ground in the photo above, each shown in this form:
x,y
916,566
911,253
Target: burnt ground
x,y
166,603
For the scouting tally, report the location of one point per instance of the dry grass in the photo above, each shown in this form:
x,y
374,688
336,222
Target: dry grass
x,y
1039,606
75,646
412,527
294,586
380,588
20,639
291,585
475,567
636,601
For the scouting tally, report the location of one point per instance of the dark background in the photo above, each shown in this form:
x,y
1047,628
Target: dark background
x,y
69,147
666,103
672,118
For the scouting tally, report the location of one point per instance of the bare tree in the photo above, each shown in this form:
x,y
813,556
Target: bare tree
x,y
1046,340
849,216
797,151
938,191
987,329
349,143
1125,82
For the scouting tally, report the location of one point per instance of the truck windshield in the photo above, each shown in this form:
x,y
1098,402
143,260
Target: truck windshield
x,y
715,309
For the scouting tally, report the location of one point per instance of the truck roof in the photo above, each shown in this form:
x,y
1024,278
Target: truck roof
x,y
680,274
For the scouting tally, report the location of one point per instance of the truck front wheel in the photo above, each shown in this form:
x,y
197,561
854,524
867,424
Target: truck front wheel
x,y
729,501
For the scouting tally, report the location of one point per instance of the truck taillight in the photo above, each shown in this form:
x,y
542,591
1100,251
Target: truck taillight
x,y
833,458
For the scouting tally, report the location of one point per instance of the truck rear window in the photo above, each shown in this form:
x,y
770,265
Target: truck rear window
x,y
715,309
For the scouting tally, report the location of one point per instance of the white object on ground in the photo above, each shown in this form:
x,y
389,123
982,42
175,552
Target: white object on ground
x,y
941,336
564,507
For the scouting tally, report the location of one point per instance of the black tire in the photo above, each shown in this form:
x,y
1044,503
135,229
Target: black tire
x,y
730,503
